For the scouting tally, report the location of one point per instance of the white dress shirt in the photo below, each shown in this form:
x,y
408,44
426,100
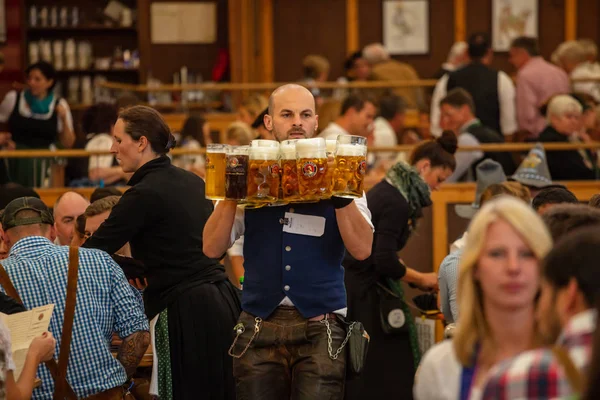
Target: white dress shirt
x,y
332,131
506,101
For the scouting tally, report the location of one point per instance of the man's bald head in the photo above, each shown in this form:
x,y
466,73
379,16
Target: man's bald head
x,y
67,208
291,113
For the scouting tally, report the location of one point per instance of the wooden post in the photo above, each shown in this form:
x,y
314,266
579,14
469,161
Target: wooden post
x,y
570,19
352,42
460,20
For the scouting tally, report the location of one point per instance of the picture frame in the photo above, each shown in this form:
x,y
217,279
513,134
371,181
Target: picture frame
x,y
406,26
511,19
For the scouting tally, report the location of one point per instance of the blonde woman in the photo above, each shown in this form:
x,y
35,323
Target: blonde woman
x,y
497,285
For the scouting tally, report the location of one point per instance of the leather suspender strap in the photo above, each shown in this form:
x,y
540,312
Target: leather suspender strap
x,y
574,377
8,286
61,384
60,379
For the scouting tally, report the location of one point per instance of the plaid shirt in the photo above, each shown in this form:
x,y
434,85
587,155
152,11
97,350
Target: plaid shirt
x,y
105,303
537,374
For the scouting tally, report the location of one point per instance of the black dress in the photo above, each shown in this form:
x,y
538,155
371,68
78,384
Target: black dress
x,y
162,216
564,165
389,369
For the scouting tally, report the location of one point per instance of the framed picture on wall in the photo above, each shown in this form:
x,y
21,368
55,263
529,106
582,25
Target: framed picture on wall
x,y
406,26
511,19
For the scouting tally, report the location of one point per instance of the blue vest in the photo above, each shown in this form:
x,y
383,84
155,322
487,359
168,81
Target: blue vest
x,y
307,269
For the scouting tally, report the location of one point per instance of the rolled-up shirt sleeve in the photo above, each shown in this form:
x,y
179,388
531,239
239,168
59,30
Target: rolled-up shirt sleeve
x,y
127,303
506,97
363,207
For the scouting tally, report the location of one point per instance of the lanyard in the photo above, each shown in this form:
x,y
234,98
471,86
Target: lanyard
x,y
467,376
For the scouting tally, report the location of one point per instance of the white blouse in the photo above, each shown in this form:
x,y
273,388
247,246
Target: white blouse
x,y
8,105
439,375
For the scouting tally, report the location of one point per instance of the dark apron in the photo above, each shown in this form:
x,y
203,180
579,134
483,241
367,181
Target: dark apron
x,y
31,133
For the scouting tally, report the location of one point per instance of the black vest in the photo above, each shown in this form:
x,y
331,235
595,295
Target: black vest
x,y
486,135
482,83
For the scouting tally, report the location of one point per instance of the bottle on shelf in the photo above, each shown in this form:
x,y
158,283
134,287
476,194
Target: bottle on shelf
x,y
53,17
58,47
33,16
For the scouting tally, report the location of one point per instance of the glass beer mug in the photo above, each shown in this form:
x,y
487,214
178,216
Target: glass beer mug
x,y
263,172
236,171
289,171
350,166
311,162
215,171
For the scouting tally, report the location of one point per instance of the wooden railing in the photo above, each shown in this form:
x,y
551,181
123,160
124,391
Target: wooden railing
x,y
501,147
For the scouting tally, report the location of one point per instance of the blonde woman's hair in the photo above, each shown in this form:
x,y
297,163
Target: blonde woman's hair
x,y
589,47
240,132
473,327
562,104
571,51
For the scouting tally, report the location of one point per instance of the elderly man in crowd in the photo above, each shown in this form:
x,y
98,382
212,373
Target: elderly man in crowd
x,y
67,208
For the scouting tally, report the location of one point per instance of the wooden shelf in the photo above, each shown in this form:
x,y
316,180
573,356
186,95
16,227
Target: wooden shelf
x,y
97,71
82,29
162,107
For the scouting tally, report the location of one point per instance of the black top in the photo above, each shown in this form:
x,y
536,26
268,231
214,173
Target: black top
x,y
564,165
162,216
482,83
389,210
487,135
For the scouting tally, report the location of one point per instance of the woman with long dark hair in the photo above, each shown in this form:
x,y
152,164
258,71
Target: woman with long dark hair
x,y
374,292
162,216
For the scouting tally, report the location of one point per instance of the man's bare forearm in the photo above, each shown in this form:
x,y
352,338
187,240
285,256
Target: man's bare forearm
x,y
132,350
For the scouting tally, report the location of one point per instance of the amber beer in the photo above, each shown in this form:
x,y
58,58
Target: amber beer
x,y
263,172
311,162
289,171
216,155
350,166
236,172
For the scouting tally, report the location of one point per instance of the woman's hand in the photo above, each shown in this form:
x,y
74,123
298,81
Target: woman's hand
x,y
428,282
43,347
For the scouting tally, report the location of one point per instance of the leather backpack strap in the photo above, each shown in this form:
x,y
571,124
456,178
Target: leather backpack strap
x,y
574,377
62,388
8,285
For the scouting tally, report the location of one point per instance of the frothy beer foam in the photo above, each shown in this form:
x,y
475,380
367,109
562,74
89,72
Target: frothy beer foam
x,y
314,147
288,151
351,150
331,145
264,153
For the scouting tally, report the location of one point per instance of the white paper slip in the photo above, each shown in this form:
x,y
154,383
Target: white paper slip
x,y
299,224
23,328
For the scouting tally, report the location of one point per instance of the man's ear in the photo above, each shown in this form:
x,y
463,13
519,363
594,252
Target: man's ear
x,y
571,295
52,233
268,121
